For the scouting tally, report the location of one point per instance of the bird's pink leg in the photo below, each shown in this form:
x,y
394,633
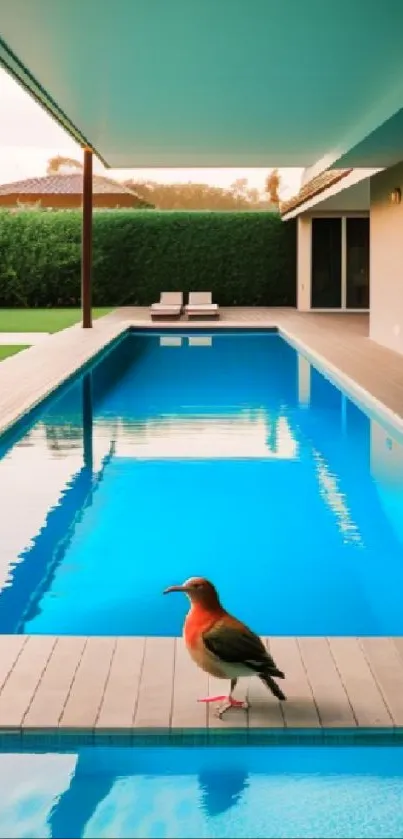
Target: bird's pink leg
x,y
232,703
212,699
228,701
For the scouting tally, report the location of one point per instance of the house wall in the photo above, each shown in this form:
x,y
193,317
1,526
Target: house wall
x,y
354,198
386,254
304,250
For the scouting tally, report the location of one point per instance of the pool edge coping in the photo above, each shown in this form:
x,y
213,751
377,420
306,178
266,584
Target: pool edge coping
x,y
27,414
42,738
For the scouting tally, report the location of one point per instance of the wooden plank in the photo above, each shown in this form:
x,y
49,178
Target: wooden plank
x,y
387,668
190,684
50,698
119,702
398,642
299,710
11,647
365,698
19,689
87,690
265,710
156,686
40,672
331,700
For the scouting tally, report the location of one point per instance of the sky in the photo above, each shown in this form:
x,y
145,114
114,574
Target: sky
x,y
29,137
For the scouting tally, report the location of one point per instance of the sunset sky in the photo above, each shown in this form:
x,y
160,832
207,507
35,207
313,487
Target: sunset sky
x,y
29,137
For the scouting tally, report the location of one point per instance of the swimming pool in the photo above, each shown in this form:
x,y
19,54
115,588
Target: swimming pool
x,y
225,455
284,791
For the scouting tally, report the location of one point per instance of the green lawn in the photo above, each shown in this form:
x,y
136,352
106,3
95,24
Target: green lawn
x,y
41,320
5,351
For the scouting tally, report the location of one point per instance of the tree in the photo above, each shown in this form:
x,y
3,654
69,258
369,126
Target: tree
x,y
198,196
63,165
272,186
240,187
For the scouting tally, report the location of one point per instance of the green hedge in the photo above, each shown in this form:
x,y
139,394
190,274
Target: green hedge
x,y
244,258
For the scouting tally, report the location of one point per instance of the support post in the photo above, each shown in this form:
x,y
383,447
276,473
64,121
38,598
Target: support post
x,y
86,243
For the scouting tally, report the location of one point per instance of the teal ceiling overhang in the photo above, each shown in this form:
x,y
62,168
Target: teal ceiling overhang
x,y
214,82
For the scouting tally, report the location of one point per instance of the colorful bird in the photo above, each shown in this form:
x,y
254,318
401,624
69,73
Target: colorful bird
x,y
222,645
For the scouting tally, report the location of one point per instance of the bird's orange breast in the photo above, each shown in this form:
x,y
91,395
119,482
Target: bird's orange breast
x,y
197,622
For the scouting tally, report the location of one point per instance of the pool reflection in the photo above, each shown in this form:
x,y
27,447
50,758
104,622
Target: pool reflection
x,y
221,791
71,811
67,795
159,792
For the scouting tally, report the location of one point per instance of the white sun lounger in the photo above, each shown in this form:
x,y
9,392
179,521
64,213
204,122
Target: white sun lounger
x,y
201,305
169,306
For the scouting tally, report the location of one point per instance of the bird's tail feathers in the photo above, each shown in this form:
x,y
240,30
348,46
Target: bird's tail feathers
x,y
272,685
278,674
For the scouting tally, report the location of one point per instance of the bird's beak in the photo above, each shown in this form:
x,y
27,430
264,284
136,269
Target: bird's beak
x,y
173,588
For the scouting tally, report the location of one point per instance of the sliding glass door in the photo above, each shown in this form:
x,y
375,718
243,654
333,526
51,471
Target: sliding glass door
x,y
357,263
340,263
326,263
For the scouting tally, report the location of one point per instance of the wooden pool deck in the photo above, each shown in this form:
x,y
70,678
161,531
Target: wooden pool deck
x,y
142,686
149,687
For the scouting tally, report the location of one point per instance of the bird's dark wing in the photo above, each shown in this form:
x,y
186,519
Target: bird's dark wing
x,y
236,644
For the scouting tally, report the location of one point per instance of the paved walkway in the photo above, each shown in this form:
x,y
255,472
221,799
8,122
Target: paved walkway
x,y
23,339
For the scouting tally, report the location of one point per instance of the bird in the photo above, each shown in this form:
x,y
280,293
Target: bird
x,y
222,645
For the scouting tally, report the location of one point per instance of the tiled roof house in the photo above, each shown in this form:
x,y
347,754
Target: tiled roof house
x,y
64,191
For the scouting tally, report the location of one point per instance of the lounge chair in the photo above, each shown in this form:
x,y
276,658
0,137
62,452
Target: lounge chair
x,y
201,305
169,306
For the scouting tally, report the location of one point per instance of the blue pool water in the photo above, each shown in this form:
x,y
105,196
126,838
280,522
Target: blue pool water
x,y
179,793
229,457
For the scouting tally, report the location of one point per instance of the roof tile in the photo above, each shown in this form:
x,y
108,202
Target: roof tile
x,y
314,187
69,184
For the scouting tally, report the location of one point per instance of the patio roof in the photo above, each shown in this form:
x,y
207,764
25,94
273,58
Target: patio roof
x,y
215,84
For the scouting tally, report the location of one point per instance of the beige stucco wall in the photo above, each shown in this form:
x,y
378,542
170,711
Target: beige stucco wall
x,y
386,259
303,263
